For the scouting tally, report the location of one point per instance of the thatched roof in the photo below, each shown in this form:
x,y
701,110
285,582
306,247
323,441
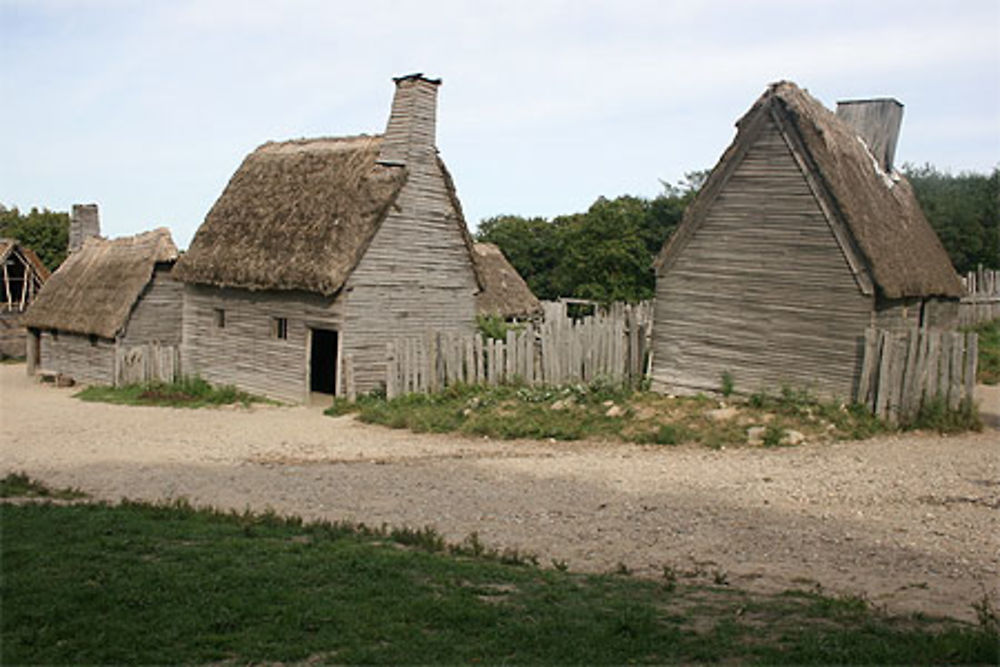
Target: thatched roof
x,y
900,249
504,291
15,247
95,289
296,215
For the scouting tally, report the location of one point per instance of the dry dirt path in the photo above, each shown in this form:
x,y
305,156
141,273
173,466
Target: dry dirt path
x,y
912,522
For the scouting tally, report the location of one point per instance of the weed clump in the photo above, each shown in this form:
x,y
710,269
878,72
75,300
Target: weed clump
x,y
185,392
607,409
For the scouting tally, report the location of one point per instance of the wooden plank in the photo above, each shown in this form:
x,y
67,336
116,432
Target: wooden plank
x,y
955,343
510,362
971,361
883,392
900,349
932,386
477,359
469,368
921,371
869,364
909,399
491,362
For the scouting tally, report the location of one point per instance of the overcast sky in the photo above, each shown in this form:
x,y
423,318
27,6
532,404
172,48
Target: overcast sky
x,y
147,107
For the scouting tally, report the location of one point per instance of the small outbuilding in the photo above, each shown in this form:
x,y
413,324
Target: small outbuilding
x,y
802,237
324,250
505,294
23,276
108,298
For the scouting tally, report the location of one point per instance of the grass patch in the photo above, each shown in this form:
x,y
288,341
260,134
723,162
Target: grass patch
x,y
604,410
138,584
187,392
988,370
935,415
19,485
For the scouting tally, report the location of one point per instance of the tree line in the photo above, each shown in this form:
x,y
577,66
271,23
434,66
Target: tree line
x,y
44,231
606,253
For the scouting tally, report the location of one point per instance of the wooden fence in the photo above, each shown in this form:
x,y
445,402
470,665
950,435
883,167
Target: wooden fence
x,y
904,370
981,302
151,362
613,344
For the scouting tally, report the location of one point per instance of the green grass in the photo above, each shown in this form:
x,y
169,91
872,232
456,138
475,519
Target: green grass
x,y
188,392
19,485
582,411
141,584
988,371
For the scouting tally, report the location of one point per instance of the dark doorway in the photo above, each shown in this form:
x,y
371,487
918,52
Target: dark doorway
x,y
323,362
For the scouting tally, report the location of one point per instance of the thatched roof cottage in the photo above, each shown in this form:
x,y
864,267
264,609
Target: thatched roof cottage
x,y
505,294
323,249
23,276
108,296
802,237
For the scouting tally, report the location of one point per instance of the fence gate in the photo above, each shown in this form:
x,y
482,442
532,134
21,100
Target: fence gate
x,y
152,362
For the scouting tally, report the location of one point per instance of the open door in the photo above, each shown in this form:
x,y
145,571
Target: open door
x,y
323,361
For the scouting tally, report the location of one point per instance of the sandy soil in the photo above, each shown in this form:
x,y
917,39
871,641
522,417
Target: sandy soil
x,y
912,522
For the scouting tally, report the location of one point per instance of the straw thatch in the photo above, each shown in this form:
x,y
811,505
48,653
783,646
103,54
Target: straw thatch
x,y
95,289
15,247
904,256
504,291
296,215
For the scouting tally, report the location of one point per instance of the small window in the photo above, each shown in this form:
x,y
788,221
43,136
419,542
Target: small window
x,y
279,326
93,340
220,318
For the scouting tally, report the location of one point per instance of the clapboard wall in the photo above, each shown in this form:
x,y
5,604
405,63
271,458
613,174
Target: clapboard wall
x,y
416,276
157,314
86,359
246,351
762,290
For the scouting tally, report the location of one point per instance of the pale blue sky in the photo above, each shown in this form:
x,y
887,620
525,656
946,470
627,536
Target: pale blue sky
x,y
147,107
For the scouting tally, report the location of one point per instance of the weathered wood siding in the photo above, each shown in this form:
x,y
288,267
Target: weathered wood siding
x,y
245,352
941,313
897,314
87,359
416,276
12,335
762,289
157,314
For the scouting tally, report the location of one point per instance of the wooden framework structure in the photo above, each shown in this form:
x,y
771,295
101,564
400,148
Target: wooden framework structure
x,y
801,239
323,249
23,276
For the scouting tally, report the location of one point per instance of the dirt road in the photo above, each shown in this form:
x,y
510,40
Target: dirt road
x,y
912,522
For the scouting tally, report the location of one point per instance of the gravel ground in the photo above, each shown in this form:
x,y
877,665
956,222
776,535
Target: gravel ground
x,y
911,522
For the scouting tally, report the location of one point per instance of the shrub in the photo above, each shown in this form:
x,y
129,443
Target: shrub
x,y
727,384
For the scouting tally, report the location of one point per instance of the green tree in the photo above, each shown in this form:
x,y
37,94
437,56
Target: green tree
x,y
604,254
964,211
46,232
532,246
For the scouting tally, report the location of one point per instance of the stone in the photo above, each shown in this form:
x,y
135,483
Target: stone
x,y
615,411
755,435
722,414
792,438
